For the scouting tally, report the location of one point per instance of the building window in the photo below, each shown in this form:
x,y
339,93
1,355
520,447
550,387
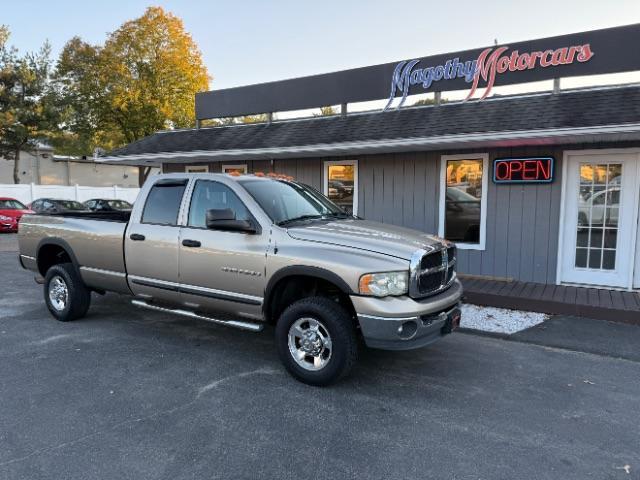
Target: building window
x,y
463,199
235,169
197,168
341,184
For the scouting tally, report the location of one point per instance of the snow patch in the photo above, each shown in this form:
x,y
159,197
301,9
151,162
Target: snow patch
x,y
500,320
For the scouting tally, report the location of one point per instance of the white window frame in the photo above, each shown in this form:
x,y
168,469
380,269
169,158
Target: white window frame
x,y
483,201
242,166
325,179
189,168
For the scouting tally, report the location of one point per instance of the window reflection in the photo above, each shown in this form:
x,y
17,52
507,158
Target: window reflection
x,y
341,185
598,209
463,200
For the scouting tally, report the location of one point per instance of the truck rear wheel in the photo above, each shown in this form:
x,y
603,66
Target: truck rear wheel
x,y
316,341
66,295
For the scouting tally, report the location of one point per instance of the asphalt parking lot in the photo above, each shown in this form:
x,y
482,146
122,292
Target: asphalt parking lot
x,y
131,394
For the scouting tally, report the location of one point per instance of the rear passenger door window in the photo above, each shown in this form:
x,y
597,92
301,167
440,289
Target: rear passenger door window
x,y
163,203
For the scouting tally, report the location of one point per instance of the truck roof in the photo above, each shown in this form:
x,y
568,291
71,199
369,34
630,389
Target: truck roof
x,y
236,177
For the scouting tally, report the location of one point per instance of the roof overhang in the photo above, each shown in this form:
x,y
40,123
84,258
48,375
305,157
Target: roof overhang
x,y
558,136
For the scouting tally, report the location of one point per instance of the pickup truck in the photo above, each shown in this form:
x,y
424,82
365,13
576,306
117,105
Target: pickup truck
x,y
245,251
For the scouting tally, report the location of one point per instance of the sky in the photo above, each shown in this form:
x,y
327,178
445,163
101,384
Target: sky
x,y
251,41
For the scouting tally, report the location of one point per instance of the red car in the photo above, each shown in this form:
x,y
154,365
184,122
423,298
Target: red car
x,y
11,211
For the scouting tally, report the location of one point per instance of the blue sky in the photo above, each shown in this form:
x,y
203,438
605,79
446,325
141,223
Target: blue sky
x,y
252,41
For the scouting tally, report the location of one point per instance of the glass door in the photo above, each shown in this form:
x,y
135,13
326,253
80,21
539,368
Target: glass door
x,y
600,219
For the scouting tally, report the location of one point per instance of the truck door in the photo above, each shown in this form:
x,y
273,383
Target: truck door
x,y
221,270
151,242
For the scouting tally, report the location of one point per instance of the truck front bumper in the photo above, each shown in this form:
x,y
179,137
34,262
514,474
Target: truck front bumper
x,y
402,323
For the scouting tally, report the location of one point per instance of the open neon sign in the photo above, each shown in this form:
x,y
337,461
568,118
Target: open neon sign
x,y
523,170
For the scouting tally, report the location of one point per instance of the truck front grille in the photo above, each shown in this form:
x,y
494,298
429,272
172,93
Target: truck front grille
x,y
434,272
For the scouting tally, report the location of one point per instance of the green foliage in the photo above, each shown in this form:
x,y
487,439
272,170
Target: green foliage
x,y
226,121
142,80
326,112
428,101
27,107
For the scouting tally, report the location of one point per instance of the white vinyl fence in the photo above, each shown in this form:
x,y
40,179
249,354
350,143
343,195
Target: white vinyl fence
x,y
29,193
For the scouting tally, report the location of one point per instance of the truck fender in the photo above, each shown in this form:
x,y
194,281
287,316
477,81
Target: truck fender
x,y
59,243
307,271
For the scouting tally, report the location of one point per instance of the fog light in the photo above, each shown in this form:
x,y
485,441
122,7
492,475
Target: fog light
x,y
407,330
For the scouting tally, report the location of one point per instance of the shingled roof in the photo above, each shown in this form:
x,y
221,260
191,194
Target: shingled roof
x,y
571,110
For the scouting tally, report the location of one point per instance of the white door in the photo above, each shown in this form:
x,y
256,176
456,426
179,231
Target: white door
x,y
600,219
636,273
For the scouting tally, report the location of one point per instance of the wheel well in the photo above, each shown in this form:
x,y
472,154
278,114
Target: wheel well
x,y
295,287
50,255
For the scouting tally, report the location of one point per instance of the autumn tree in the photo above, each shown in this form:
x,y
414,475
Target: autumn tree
x,y
326,111
142,80
27,113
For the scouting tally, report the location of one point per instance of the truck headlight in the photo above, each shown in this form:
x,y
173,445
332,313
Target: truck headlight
x,y
384,284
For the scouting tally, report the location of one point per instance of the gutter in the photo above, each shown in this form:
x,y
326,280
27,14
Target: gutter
x,y
402,144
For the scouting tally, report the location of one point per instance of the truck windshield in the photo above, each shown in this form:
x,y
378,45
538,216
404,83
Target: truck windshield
x,y
287,202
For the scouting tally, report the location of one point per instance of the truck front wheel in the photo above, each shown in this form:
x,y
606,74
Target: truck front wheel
x,y
316,341
66,295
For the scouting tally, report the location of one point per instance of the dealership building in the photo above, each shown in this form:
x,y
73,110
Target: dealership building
x,y
540,187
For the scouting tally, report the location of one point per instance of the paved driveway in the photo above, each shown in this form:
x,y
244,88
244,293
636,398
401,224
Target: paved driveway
x,y
130,394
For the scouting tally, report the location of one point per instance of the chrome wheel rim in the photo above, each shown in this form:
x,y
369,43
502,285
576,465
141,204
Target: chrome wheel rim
x,y
58,293
310,344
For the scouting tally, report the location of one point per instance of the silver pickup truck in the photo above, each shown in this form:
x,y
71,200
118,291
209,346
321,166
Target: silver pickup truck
x,y
248,250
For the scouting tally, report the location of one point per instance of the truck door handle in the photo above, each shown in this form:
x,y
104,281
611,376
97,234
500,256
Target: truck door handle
x,y
191,243
136,237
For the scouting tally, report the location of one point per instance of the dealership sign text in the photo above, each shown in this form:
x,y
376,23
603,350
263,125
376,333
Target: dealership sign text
x,y
483,71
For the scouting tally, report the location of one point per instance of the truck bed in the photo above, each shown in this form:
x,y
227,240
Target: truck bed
x,y
95,238
114,216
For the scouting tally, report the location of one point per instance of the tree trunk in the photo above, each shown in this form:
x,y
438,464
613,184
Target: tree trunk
x,y
143,173
16,167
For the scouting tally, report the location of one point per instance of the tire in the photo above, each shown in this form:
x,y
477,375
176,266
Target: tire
x,y
327,319
66,295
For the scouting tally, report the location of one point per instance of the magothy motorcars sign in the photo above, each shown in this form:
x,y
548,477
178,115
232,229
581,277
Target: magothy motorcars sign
x,y
490,63
610,50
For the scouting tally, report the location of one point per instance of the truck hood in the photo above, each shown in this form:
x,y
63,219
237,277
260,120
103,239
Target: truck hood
x,y
366,235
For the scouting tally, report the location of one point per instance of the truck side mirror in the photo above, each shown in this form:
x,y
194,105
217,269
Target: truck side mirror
x,y
225,219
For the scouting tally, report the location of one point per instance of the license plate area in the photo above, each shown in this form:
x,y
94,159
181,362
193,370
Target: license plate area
x,y
453,320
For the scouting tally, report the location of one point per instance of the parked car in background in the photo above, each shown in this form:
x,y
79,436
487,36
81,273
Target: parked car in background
x,y
11,211
108,205
55,205
599,208
463,215
338,189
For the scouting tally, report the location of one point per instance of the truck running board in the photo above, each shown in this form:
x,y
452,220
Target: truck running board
x,y
240,324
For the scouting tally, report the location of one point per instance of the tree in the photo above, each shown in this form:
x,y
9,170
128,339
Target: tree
x,y
82,103
428,101
143,79
27,112
326,112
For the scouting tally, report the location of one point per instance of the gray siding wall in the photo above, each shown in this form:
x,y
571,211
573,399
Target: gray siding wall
x,y
403,189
